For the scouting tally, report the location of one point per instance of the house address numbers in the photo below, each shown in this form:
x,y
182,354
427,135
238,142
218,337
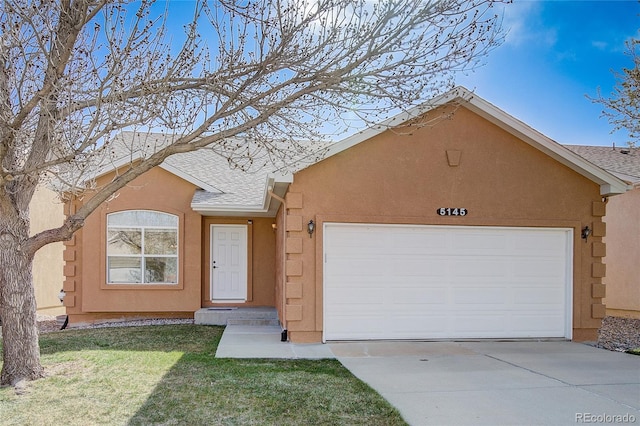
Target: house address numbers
x,y
452,211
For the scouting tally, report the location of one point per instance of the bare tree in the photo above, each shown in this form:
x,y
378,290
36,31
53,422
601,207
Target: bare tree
x,y
75,73
622,108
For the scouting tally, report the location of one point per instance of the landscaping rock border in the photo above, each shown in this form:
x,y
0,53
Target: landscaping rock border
x,y
619,334
48,324
616,334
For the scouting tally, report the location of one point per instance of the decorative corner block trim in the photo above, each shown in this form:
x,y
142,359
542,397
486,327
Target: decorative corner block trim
x,y
598,270
598,310
294,200
599,208
69,301
69,270
69,285
294,312
294,223
69,255
599,229
294,268
599,249
294,245
294,290
598,291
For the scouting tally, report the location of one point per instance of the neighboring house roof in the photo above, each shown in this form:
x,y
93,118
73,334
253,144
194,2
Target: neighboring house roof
x,y
609,183
621,162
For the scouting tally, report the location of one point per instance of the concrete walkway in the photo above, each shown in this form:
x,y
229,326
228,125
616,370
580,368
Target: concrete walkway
x,y
251,341
474,383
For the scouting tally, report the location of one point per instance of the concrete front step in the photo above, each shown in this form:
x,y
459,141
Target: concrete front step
x,y
237,316
238,321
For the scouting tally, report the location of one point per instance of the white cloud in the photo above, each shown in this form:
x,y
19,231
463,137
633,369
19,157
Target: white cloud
x,y
600,45
522,21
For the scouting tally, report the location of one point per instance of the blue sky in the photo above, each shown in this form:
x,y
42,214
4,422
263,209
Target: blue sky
x,y
556,53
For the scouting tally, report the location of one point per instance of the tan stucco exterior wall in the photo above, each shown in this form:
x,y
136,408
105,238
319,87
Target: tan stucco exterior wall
x,y
46,211
623,255
394,178
89,297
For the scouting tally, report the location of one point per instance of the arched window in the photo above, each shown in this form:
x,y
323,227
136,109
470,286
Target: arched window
x,y
142,247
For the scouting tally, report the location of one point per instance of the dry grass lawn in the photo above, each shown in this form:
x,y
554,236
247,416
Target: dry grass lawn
x,y
167,375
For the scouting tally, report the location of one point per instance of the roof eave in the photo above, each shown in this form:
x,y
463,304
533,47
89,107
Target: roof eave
x,y
276,183
232,211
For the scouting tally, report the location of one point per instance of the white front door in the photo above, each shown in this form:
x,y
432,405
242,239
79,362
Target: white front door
x,y
228,263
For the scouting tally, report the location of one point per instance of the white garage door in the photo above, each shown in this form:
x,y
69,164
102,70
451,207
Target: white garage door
x,y
431,282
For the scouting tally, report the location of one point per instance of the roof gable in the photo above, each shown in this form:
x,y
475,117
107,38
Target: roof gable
x,y
227,191
223,190
609,184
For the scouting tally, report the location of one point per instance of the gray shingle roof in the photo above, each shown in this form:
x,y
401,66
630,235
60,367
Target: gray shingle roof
x,y
230,186
221,186
621,162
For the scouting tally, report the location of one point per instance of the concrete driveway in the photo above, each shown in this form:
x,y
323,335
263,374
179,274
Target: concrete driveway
x,y
474,383
499,383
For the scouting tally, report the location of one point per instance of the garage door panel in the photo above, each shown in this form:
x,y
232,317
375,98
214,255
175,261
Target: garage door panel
x,y
416,295
473,324
406,327
541,241
489,297
542,267
415,266
479,242
368,296
413,242
417,282
540,295
523,324
473,267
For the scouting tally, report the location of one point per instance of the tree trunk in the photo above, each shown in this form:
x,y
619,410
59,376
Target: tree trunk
x,y
20,348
